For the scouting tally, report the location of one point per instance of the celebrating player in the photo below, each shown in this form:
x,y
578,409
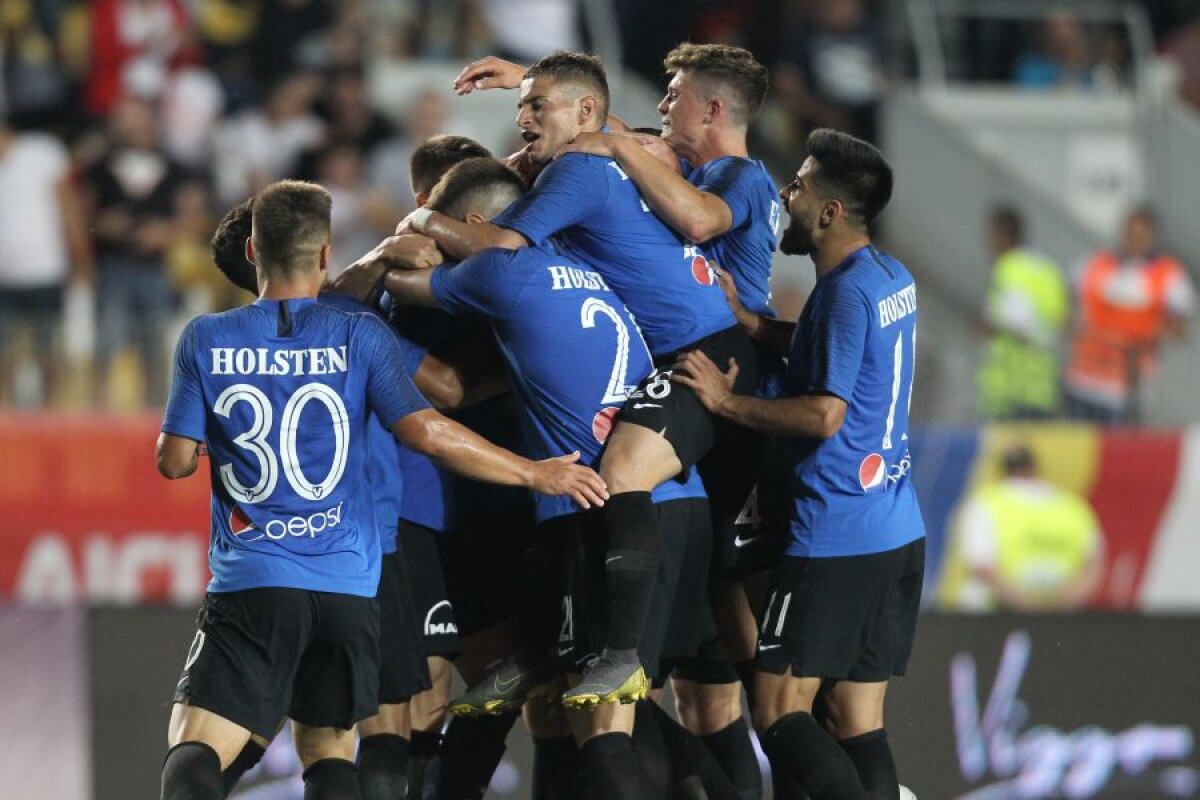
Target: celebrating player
x,y
575,354
290,611
843,605
671,290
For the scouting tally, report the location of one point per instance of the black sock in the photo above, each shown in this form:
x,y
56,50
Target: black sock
x,y
423,750
689,757
733,750
192,771
609,769
555,769
745,671
657,761
796,743
872,757
251,754
471,752
631,564
331,779
541,591
383,767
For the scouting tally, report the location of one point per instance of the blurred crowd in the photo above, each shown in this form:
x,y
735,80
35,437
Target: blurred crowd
x,y
129,126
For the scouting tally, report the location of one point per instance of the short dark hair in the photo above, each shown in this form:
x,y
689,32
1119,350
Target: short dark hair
x,y
733,67
229,247
851,170
579,68
291,224
1010,223
437,154
480,185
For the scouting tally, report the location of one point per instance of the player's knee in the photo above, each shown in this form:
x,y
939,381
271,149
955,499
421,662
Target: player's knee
x,y
707,708
317,744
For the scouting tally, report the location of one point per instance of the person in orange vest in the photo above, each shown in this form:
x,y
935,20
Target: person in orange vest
x,y
1129,302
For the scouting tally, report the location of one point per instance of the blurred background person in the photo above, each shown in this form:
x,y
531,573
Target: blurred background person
x,y
830,70
44,253
132,193
1060,60
1023,319
1020,543
1129,301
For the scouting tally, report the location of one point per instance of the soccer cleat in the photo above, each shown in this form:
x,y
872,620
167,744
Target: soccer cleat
x,y
511,683
608,681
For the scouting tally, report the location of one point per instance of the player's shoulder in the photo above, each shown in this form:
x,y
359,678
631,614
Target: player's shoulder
x,y
341,302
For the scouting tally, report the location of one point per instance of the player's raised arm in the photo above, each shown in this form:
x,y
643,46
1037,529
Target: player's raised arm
x,y
489,73
459,239
461,450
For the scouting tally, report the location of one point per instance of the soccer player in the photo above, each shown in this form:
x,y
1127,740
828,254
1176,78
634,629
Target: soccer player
x,y
290,611
384,737
668,286
575,353
724,200
843,604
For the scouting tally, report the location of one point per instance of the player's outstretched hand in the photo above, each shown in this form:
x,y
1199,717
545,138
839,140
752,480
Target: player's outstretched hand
x,y
713,387
562,476
489,73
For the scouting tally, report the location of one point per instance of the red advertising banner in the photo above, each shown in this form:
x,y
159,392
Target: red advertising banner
x,y
86,518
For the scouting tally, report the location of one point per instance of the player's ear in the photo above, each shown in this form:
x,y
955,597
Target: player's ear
x,y
831,210
475,219
324,256
588,108
422,198
713,109
250,250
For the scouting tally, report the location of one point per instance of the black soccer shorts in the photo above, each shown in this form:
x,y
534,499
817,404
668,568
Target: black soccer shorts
x,y
844,618
403,670
483,560
264,654
431,602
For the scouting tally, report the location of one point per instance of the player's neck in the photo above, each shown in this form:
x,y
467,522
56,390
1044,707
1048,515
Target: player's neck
x,y
837,248
284,289
719,143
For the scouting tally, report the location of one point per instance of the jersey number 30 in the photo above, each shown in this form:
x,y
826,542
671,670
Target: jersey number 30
x,y
254,441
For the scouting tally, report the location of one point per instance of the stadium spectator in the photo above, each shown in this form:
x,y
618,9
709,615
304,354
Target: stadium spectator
x,y
388,166
133,45
261,145
1024,316
1129,301
1061,58
362,215
131,192
1184,49
1024,544
43,250
34,81
830,70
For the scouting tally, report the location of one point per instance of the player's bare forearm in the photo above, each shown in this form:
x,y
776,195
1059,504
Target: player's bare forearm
x,y
818,416
450,382
410,287
695,215
461,450
461,240
176,456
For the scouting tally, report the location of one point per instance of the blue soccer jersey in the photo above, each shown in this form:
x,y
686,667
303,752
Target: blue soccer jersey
x,y
852,493
746,249
571,345
383,451
281,392
435,498
603,223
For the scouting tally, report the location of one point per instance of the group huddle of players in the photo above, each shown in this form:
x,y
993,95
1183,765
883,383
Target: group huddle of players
x,y
599,304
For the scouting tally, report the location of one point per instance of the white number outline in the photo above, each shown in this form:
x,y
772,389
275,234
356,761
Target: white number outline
x,y
617,391
254,441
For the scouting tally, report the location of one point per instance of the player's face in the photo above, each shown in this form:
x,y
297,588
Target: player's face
x,y
804,208
683,111
548,117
